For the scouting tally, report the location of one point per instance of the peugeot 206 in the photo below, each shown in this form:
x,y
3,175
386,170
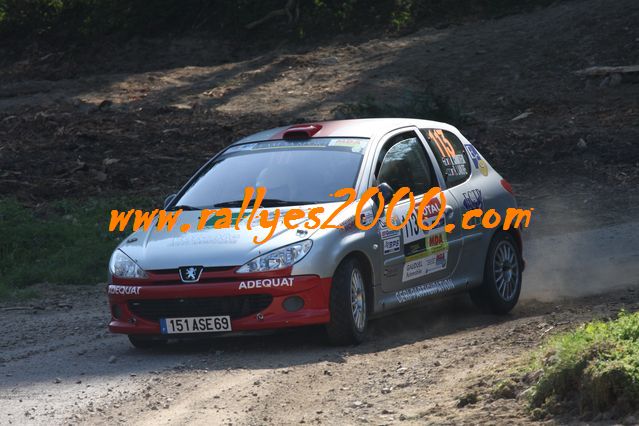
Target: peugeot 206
x,y
175,284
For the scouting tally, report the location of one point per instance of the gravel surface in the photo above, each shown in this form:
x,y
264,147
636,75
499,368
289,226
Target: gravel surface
x,y
60,365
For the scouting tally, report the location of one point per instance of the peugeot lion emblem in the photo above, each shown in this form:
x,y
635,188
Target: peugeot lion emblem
x,y
190,274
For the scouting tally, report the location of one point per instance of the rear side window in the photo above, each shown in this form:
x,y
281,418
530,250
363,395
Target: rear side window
x,y
450,154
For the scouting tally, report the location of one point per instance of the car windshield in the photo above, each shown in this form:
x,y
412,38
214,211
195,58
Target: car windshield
x,y
293,172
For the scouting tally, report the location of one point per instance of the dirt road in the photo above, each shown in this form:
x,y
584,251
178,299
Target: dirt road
x,y
60,365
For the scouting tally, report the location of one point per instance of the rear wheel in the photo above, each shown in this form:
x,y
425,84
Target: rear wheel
x,y
145,342
349,316
500,290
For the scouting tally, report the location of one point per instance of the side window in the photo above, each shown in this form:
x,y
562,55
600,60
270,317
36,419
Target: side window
x,y
403,162
450,154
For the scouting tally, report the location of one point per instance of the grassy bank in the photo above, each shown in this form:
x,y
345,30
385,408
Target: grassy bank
x,y
66,241
594,369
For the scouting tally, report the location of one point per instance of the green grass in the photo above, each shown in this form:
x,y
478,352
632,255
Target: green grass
x,y
64,242
595,367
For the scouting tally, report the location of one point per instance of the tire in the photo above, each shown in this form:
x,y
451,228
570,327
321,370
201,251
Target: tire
x,y
499,293
349,314
145,342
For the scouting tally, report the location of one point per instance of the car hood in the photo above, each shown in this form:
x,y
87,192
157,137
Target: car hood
x,y
210,247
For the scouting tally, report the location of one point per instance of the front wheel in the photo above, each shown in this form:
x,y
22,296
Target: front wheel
x,y
349,316
502,276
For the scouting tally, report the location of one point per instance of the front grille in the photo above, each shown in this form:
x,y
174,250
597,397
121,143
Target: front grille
x,y
234,306
206,269
210,275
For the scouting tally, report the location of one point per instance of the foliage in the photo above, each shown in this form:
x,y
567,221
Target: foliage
x,y
66,242
595,366
85,20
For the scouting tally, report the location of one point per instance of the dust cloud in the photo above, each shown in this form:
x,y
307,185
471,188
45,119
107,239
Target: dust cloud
x,y
595,257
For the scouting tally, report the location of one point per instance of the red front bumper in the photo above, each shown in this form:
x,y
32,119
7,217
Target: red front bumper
x,y
314,291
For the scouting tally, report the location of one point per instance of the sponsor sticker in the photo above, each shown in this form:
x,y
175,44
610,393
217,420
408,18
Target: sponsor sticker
x,y
457,170
431,211
412,232
473,199
424,266
391,245
473,154
436,242
288,144
228,237
384,231
455,165
424,290
348,225
426,251
388,233
366,217
124,290
483,167
478,162
458,159
266,283
356,145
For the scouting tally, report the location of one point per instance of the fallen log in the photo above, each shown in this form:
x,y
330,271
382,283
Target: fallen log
x,y
604,71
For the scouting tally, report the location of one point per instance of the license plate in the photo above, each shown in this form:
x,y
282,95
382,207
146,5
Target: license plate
x,y
195,325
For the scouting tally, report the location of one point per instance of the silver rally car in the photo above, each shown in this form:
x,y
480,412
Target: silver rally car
x,y
173,284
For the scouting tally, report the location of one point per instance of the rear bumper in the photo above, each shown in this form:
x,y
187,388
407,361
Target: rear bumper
x,y
314,291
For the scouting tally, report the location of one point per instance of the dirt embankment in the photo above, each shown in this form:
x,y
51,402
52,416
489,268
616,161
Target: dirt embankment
x,y
147,131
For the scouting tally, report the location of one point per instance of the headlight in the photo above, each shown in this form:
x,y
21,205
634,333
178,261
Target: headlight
x,y
122,266
278,259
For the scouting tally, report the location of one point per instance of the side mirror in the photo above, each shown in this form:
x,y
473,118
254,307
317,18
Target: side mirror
x,y
168,200
386,191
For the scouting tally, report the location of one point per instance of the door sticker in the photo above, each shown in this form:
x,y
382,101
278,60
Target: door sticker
x,y
391,245
424,266
426,252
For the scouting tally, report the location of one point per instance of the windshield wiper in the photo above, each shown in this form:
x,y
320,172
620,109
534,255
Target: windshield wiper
x,y
183,207
274,202
234,203
266,202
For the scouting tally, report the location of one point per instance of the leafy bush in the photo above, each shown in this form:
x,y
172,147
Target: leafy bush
x,y
66,242
83,20
595,366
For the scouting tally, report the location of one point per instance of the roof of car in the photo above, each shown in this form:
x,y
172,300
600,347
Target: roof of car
x,y
360,128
